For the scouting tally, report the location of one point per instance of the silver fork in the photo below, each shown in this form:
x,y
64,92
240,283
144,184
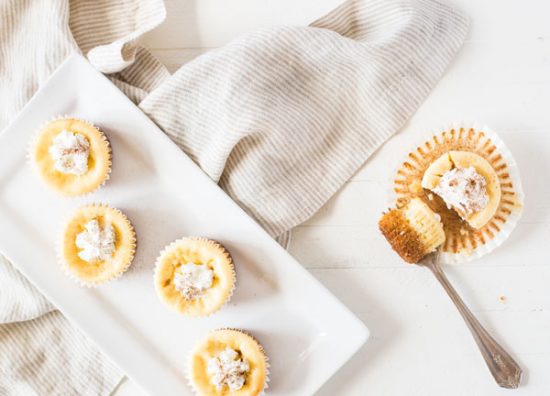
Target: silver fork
x,y
503,367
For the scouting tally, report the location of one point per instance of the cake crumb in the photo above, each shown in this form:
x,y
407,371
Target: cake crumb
x,y
430,196
502,299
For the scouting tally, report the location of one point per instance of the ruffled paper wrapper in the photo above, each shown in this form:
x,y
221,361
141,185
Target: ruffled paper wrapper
x,y
91,283
463,243
169,248
34,142
267,366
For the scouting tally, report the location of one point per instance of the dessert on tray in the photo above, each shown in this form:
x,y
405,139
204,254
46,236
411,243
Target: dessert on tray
x,y
98,244
228,362
72,156
195,276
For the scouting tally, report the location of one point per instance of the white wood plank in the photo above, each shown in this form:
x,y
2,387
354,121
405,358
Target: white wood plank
x,y
213,23
419,344
173,59
349,247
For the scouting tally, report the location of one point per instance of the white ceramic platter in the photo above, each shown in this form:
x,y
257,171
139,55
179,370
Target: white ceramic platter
x,y
307,333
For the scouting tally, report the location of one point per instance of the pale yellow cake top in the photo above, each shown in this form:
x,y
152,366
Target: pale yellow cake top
x,y
98,161
212,345
196,252
98,271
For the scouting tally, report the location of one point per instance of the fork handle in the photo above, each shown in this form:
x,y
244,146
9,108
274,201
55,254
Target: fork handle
x,y
503,367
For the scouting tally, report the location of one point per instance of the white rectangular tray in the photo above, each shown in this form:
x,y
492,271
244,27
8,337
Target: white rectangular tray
x,y
307,333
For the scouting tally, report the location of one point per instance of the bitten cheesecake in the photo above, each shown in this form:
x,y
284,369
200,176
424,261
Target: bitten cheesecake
x,y
467,183
413,231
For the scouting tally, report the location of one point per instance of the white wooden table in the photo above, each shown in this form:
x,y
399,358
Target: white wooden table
x,y
419,344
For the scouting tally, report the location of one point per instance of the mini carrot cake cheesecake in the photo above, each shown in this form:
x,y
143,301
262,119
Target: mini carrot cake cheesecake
x,y
228,362
195,276
71,156
464,175
413,231
98,244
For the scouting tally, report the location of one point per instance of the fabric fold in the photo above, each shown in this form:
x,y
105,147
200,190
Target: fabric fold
x,y
284,116
50,356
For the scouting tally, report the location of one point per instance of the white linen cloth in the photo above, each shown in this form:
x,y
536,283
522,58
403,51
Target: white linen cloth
x,y
281,118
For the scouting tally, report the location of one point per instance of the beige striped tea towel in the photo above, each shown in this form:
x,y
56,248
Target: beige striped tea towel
x,y
280,117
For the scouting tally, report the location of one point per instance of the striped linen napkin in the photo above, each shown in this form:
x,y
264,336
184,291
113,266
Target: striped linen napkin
x,y
280,118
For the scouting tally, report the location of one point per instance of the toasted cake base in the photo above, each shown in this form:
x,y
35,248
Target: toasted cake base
x,y
404,239
413,231
216,342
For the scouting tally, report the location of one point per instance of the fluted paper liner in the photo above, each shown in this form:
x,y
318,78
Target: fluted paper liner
x,y
463,243
174,301
124,261
106,145
252,339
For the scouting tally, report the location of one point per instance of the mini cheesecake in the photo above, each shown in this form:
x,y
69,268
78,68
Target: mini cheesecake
x,y
195,276
228,362
71,156
98,244
468,177
467,183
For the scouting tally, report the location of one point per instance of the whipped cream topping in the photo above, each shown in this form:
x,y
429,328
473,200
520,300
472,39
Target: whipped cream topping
x,y
97,244
464,190
228,369
70,151
191,280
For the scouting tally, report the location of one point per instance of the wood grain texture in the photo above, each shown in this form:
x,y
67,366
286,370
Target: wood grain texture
x,y
419,345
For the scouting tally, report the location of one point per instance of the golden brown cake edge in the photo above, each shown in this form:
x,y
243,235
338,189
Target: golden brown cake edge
x,y
404,239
